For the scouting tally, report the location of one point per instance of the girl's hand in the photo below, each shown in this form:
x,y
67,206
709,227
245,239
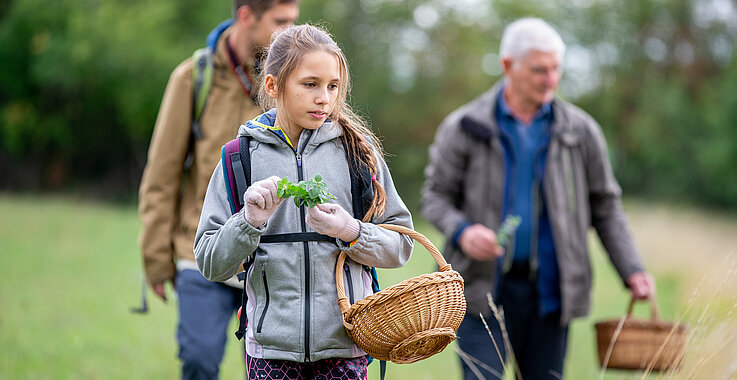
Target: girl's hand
x,y
260,201
332,220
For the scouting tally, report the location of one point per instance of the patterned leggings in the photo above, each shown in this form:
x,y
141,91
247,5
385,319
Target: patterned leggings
x,y
327,369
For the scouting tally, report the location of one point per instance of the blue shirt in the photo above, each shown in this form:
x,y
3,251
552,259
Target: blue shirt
x,y
525,153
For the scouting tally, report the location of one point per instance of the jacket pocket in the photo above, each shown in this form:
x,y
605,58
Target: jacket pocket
x,y
347,275
266,302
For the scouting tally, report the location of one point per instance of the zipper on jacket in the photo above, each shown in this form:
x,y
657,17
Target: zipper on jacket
x,y
347,271
535,231
266,306
305,245
570,180
537,205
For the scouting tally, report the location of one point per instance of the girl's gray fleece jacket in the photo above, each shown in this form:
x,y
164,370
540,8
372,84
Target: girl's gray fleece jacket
x,y
292,308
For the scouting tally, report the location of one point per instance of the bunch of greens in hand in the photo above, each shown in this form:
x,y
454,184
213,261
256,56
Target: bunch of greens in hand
x,y
510,224
311,192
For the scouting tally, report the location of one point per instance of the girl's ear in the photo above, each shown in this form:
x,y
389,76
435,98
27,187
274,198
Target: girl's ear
x,y
270,86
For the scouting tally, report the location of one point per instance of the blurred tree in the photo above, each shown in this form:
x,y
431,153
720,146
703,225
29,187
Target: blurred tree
x,y
81,82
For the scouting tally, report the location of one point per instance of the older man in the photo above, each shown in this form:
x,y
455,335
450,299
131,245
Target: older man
x,y
520,150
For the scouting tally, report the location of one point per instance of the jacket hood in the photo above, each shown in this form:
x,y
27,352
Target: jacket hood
x,y
214,35
261,128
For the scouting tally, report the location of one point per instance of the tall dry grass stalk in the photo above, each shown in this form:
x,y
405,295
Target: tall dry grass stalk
x,y
473,363
609,349
711,313
499,316
711,342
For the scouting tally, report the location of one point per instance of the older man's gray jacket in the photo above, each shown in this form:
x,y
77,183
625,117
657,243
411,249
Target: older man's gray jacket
x,y
465,183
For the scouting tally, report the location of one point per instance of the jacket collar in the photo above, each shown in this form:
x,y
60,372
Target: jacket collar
x,y
262,128
479,120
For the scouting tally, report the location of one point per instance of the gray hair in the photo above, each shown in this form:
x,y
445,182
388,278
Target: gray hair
x,y
527,34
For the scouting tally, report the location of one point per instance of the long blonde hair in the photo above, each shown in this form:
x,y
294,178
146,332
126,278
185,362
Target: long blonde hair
x,y
283,57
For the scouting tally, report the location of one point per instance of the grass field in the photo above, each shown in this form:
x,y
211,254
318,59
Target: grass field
x,y
71,272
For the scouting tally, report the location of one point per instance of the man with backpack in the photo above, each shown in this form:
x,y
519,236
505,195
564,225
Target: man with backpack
x,y
208,96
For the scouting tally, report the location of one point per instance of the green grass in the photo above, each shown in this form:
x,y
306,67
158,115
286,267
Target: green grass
x,y
71,272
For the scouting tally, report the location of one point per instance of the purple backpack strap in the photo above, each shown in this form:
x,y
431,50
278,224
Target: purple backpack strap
x,y
234,175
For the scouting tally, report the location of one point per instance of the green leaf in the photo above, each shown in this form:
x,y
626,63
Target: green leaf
x,y
311,192
509,226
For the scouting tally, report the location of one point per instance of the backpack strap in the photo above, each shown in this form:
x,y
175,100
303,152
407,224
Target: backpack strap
x,y
362,189
242,318
295,237
202,79
236,162
202,72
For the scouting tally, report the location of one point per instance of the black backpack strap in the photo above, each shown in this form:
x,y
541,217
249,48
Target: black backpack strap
x,y
243,320
245,155
241,162
295,237
362,189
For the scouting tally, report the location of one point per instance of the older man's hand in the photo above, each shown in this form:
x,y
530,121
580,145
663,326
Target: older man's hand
x,y
641,284
479,243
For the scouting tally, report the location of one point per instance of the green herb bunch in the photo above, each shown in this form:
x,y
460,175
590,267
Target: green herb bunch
x,y
311,192
510,224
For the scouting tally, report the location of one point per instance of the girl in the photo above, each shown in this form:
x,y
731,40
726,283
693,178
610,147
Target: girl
x,y
295,325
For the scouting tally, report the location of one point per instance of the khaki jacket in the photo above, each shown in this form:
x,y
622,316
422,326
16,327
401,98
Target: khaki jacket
x,y
465,183
170,200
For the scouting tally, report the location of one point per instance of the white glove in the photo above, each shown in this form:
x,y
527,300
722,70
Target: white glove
x,y
332,220
260,201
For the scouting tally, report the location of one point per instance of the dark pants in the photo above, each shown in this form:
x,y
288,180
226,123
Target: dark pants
x,y
538,343
205,309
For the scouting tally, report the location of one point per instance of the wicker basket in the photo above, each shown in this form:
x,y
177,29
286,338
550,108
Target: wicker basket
x,y
409,321
640,344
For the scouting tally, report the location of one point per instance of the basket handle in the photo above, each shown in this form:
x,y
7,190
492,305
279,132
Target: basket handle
x,y
653,308
343,302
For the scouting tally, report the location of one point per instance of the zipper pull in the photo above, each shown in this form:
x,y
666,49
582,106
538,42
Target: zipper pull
x,y
299,160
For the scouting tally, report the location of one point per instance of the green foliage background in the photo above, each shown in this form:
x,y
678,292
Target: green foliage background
x,y
81,82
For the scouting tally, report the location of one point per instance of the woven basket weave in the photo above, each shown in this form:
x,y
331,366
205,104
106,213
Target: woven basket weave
x,y
641,344
409,321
